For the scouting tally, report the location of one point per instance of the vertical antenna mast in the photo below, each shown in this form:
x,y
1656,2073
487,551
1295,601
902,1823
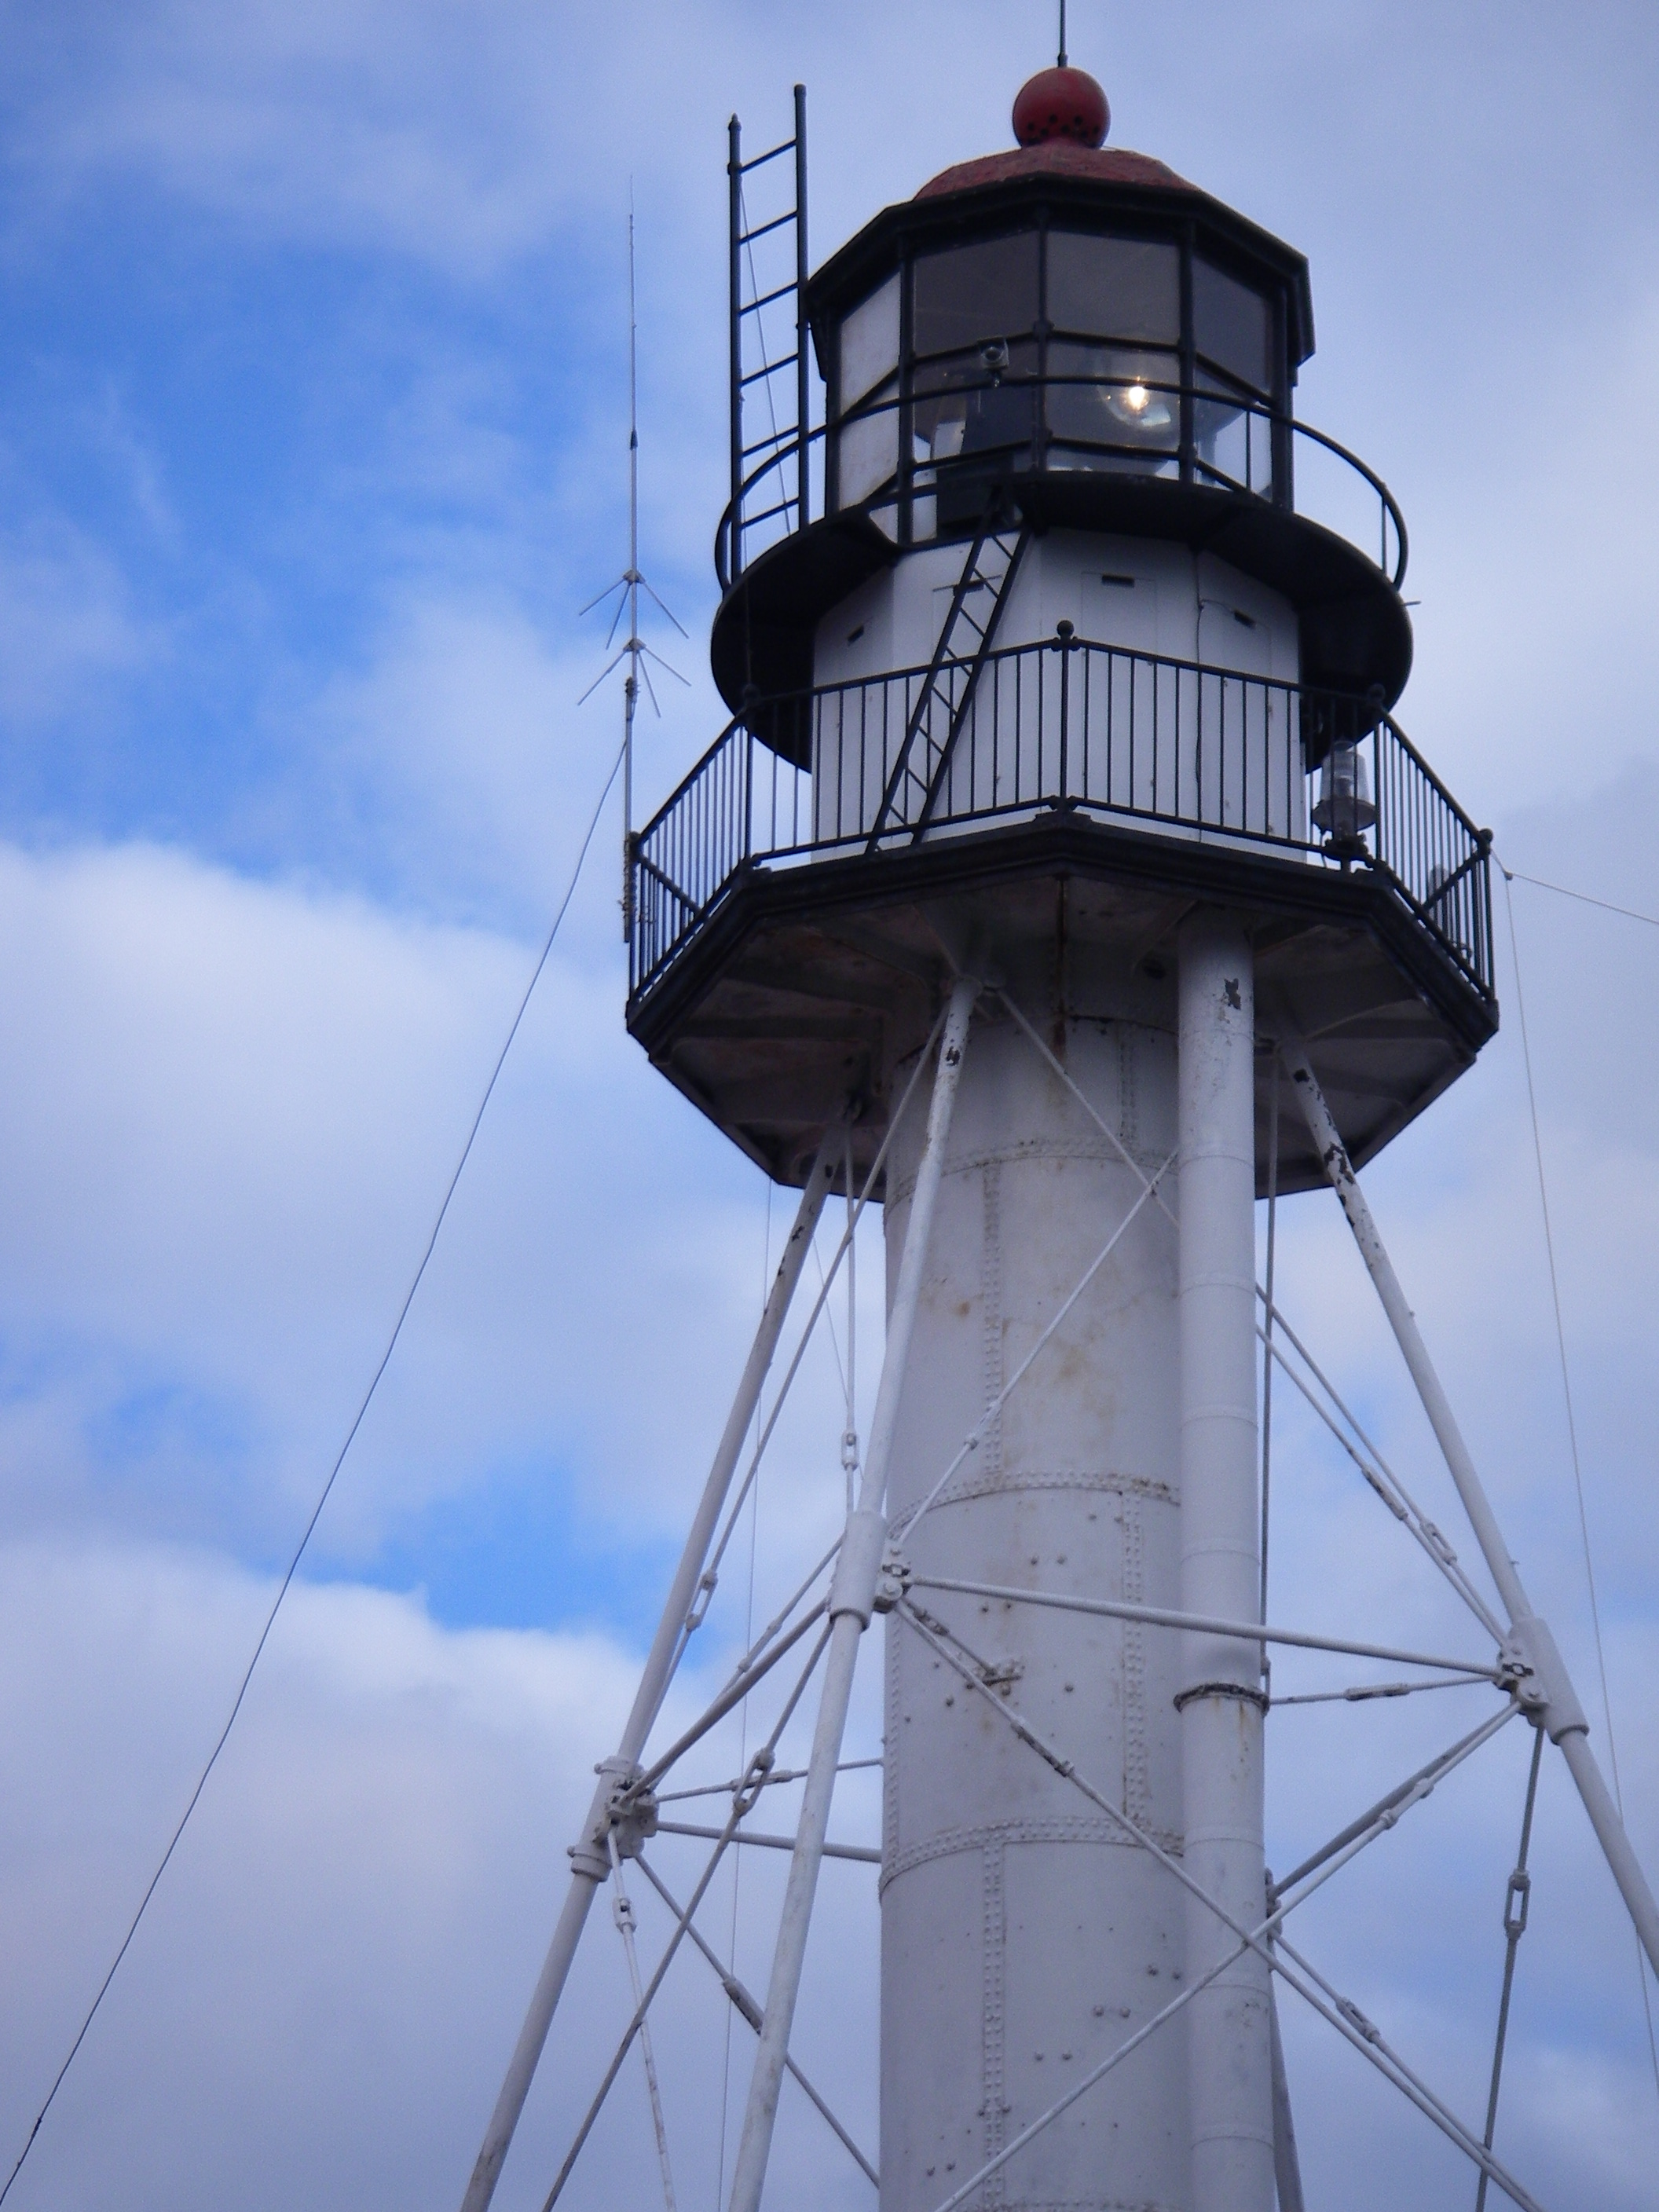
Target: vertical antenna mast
x,y
631,686
635,651
1061,58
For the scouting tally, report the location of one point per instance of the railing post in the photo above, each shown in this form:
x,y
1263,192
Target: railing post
x,y
735,176
803,490
748,796
1065,632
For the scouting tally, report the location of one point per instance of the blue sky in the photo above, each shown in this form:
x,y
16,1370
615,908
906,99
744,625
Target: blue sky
x,y
313,421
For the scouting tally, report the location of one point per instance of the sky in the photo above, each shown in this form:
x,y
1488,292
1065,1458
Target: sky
x,y
313,445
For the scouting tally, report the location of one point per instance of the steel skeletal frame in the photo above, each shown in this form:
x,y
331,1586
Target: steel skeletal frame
x,y
871,1573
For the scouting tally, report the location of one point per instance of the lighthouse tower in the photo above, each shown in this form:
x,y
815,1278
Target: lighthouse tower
x,y
1063,882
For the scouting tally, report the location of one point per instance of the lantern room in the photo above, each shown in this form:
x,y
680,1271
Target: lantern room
x,y
1074,330
1077,331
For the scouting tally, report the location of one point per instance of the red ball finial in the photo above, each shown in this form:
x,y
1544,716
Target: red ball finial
x,y
1061,103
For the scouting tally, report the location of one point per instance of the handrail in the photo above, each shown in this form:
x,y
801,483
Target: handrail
x,y
1182,748
872,409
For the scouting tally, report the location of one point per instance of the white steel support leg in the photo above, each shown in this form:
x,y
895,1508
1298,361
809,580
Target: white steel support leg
x,y
589,1857
1230,2023
1550,1691
851,1601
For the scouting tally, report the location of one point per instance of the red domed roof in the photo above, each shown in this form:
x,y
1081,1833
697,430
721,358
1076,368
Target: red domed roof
x,y
1058,157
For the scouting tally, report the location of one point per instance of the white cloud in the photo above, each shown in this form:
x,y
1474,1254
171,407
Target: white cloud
x,y
318,2007
246,1103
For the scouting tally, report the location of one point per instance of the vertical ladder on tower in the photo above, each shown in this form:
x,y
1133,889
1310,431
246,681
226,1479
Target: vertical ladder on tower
x,y
945,700
770,390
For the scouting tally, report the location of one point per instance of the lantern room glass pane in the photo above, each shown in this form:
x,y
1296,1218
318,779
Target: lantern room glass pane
x,y
870,342
972,405
1115,288
1123,398
970,294
1232,326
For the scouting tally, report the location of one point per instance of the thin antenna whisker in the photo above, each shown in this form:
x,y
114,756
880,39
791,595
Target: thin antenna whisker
x,y
669,611
615,663
650,653
618,586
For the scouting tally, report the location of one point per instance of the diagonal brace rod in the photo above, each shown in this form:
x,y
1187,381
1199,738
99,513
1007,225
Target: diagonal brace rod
x,y
623,1909
743,2003
906,1523
1382,1478
1429,1774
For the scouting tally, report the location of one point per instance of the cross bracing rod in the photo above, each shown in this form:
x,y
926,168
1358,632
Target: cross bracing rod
x,y
1410,1791
1246,1632
623,1910
856,1214
597,2103
863,1853
769,1781
743,2003
1367,2039
759,1766
1556,1702
1359,1693
1149,1184
1517,1892
1385,1486
588,1862
906,1522
1344,2016
852,1601
732,1695
1143,2033
1380,1477
758,1649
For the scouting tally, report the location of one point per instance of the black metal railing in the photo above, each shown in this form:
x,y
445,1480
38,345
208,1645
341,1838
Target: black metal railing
x,y
1178,748
1249,447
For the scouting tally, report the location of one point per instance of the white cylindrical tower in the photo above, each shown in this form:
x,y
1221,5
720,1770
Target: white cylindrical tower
x,y
1023,1933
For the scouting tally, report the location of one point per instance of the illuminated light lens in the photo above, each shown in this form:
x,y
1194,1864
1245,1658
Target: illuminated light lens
x,y
1140,409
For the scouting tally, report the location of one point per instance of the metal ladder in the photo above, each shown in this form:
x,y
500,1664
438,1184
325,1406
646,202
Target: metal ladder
x,y
946,698
769,472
